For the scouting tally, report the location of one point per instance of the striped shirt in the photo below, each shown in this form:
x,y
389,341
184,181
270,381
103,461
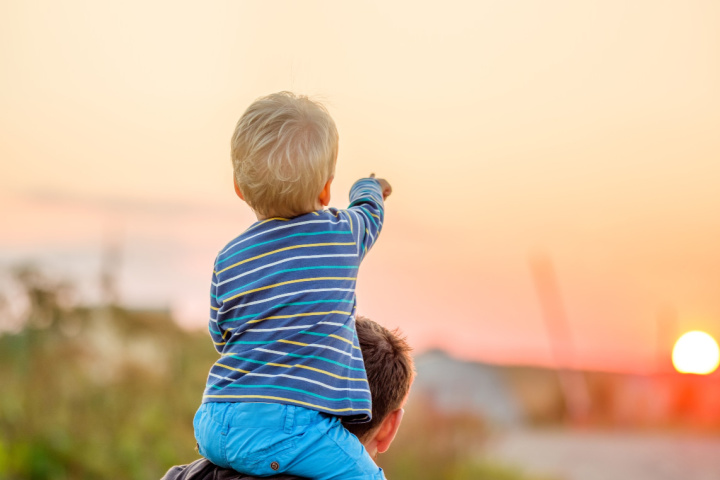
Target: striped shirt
x,y
282,311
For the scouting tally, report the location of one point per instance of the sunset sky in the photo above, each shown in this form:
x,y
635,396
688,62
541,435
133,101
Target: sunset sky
x,y
586,131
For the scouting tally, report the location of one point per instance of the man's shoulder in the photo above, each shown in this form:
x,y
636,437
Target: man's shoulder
x,y
202,469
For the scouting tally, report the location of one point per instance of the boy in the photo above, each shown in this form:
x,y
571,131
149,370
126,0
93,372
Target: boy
x,y
283,304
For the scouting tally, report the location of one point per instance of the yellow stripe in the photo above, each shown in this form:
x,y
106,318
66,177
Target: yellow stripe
x,y
215,308
319,371
350,221
231,368
293,401
218,344
282,250
340,338
300,315
287,283
375,216
294,343
296,366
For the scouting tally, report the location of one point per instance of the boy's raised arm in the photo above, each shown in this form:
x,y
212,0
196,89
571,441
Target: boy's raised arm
x,y
384,186
367,210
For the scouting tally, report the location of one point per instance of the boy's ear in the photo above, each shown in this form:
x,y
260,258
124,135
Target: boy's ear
x,y
324,197
237,190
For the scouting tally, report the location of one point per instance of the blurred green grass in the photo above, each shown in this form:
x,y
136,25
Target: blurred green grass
x,y
109,393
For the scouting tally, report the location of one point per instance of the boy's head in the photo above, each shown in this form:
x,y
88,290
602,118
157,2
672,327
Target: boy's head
x,y
283,151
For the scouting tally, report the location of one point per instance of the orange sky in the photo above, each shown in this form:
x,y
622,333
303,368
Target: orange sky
x,y
585,130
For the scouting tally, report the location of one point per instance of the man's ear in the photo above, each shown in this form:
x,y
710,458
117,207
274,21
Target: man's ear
x,y
237,190
324,197
388,429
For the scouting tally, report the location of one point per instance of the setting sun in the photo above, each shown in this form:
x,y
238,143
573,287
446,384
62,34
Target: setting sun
x,y
696,352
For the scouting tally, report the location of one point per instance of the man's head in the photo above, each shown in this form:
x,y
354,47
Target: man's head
x,y
283,152
390,372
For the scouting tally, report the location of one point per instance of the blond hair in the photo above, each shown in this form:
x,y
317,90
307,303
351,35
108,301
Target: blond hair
x,y
283,152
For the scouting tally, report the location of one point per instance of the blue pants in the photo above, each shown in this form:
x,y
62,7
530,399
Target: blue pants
x,y
264,439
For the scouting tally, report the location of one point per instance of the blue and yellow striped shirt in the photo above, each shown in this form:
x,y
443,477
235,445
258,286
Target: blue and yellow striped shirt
x,y
282,311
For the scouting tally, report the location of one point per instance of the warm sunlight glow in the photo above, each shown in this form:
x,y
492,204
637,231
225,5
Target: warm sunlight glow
x,y
696,352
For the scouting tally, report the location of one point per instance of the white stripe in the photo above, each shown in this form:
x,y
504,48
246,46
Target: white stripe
x,y
222,378
297,327
328,347
289,294
314,345
281,227
349,220
290,259
265,350
360,225
295,378
371,238
334,324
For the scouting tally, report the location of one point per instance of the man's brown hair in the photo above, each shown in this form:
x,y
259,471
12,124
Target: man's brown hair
x,y
389,368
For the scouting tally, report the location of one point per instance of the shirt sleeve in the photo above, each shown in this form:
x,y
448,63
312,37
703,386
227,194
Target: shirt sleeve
x,y
216,333
366,213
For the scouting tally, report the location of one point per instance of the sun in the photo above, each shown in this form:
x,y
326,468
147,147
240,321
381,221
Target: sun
x,y
696,352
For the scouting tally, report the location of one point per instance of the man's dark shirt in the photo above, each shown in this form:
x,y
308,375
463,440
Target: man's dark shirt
x,y
202,469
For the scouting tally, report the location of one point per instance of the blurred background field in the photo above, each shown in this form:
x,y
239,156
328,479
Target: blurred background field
x,y
552,232
109,392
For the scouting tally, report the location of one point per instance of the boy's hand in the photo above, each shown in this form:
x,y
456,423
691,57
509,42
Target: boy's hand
x,y
384,185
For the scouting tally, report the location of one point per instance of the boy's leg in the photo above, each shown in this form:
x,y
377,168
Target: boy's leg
x,y
327,451
210,433
266,439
